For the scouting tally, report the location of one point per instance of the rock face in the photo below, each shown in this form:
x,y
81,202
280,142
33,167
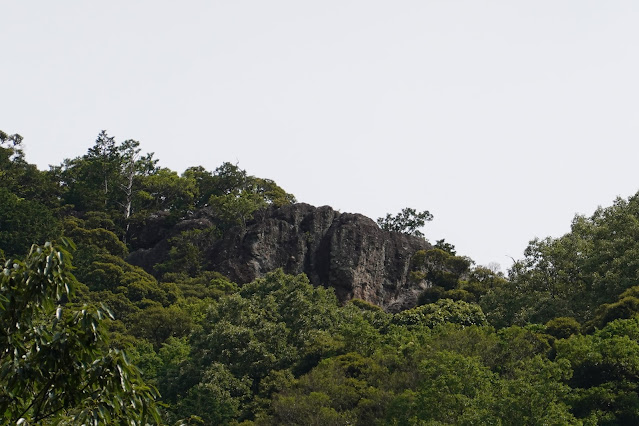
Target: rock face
x,y
348,252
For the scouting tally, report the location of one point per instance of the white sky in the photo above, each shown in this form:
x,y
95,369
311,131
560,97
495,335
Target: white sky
x,y
503,118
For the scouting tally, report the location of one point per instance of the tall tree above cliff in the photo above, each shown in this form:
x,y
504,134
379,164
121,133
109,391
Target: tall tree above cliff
x,y
107,178
92,181
133,165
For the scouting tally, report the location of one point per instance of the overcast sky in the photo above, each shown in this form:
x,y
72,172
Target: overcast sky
x,y
502,118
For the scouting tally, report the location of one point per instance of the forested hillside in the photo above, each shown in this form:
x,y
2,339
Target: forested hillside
x,y
137,308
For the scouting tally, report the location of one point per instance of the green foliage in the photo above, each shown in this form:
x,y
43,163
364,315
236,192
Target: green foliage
x,y
447,247
443,311
236,209
272,324
408,221
606,372
312,409
336,391
107,272
278,350
627,306
54,363
143,355
93,234
228,178
206,285
535,394
10,148
26,199
217,397
23,223
205,182
573,275
186,255
236,196
165,190
518,344
157,324
233,195
271,192
450,276
366,306
117,303
562,327
91,182
100,264
24,179
359,329
454,389
103,178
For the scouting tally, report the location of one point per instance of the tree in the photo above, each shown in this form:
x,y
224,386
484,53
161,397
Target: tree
x,y
447,276
105,154
236,209
55,365
11,155
605,372
443,311
187,253
454,388
89,181
562,327
108,178
217,397
165,190
536,394
275,323
23,222
573,275
447,247
408,221
235,196
157,324
337,392
133,165
24,179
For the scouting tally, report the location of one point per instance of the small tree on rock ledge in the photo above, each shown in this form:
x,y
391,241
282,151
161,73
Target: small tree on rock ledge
x,y
408,221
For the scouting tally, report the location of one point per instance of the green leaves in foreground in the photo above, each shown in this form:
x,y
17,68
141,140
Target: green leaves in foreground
x,y
55,365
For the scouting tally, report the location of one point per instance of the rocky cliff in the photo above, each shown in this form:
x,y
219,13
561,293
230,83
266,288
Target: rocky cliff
x,y
348,252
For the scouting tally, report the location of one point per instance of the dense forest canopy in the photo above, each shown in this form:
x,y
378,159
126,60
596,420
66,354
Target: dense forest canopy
x,y
555,341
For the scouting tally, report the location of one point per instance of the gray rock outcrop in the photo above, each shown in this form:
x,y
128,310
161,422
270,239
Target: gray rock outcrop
x,y
347,252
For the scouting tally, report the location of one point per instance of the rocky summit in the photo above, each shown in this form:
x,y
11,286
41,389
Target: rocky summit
x,y
348,252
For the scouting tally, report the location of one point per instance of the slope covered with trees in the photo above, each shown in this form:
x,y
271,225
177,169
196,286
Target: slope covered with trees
x,y
556,341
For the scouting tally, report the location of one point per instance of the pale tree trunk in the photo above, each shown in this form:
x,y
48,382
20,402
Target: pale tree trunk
x,y
128,192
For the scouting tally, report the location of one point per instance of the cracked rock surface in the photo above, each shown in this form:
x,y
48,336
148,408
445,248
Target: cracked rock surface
x,y
345,251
